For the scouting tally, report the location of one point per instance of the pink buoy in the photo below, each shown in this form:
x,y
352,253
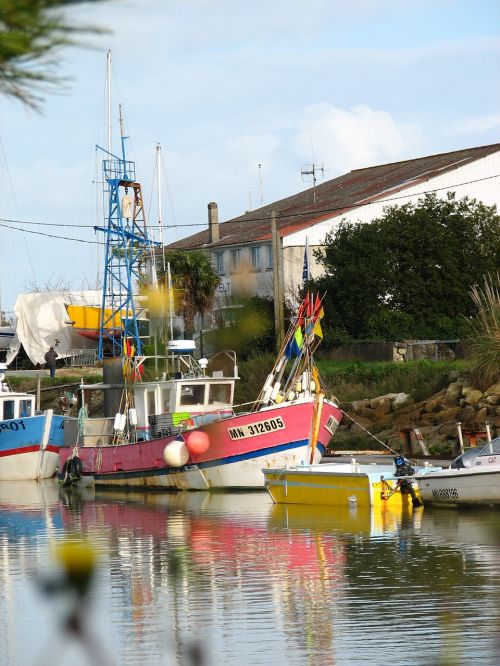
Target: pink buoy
x,y
197,442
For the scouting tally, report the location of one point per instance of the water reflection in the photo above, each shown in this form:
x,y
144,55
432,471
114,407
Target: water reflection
x,y
254,582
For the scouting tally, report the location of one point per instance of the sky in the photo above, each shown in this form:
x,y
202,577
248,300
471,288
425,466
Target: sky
x,y
225,86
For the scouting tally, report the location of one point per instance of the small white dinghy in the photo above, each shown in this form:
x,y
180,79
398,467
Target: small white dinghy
x,y
472,479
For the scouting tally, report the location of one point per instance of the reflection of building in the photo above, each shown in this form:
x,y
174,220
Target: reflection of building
x,y
241,248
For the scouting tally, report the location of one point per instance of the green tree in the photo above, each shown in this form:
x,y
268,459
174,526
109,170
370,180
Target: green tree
x,y
194,281
409,273
31,35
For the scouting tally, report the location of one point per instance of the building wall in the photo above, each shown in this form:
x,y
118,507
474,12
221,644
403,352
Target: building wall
x,y
248,278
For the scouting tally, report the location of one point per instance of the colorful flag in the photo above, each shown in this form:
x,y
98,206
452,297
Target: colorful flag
x,y
295,344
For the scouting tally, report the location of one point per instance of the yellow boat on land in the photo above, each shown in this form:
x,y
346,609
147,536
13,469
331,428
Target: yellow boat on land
x,y
341,484
86,320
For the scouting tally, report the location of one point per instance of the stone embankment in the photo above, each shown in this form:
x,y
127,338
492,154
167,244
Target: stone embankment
x,y
436,418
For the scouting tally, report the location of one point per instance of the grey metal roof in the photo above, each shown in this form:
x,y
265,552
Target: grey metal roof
x,y
334,197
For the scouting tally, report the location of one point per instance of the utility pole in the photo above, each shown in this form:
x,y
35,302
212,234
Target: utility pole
x,y
278,288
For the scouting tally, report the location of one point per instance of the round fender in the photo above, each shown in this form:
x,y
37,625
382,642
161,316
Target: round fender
x,y
197,442
76,468
176,453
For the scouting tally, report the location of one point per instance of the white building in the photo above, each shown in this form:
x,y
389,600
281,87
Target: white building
x,y
241,248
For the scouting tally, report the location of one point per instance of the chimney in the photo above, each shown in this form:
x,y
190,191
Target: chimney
x,y
213,222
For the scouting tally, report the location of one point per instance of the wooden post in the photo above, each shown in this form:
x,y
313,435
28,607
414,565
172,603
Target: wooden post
x,y
38,391
278,289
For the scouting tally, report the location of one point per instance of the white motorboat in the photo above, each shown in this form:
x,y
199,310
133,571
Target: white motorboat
x,y
473,479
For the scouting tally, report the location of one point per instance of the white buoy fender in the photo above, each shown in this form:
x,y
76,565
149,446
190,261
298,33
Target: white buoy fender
x,y
267,395
119,422
275,390
132,416
176,453
268,382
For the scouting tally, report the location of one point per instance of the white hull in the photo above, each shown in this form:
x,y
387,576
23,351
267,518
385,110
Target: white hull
x,y
28,466
242,474
461,487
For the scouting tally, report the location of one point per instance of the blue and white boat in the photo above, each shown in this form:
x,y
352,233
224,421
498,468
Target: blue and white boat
x,y
29,440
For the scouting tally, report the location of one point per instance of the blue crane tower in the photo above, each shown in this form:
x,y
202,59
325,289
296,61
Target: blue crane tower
x,y
127,245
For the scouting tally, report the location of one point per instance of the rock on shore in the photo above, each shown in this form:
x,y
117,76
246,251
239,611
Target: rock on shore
x,y
436,418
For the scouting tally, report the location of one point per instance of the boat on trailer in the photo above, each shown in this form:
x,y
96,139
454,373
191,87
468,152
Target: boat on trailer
x,y
29,440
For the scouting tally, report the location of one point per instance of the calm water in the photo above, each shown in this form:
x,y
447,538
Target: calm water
x,y
249,582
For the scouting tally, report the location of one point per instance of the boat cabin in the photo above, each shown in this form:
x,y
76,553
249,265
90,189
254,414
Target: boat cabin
x,y
14,405
191,396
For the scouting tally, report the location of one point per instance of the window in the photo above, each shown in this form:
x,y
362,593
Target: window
x,y
25,408
269,256
8,409
150,400
235,259
165,400
192,394
255,258
219,262
219,394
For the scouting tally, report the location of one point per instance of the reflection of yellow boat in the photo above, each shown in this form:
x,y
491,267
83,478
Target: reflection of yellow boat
x,y
337,484
382,519
86,320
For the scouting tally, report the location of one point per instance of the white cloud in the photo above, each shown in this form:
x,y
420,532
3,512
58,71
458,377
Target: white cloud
x,y
477,124
350,139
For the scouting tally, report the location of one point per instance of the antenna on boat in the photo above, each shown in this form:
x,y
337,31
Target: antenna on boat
x,y
160,205
108,97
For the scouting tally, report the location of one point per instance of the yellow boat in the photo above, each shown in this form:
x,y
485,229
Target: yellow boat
x,y
86,320
340,484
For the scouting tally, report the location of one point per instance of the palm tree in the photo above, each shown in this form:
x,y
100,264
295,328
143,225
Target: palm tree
x,y
31,34
194,282
485,343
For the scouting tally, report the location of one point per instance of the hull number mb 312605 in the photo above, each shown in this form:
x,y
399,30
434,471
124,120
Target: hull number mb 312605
x,y
257,428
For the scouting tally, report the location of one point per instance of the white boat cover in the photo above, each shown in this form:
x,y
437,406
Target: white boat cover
x,y
42,322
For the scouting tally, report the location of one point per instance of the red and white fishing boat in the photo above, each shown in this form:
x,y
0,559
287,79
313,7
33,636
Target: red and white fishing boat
x,y
183,432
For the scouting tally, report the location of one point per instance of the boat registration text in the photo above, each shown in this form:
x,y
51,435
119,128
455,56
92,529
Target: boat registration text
x,y
443,494
257,428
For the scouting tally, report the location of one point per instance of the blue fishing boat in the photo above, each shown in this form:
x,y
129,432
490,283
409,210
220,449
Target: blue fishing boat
x,y
29,440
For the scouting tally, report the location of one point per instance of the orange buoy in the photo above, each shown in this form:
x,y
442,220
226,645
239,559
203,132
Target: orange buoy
x,y
197,442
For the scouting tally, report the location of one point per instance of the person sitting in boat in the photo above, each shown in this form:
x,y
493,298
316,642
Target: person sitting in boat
x,y
404,468
50,360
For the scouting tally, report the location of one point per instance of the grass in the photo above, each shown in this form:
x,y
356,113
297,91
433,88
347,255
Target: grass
x,y
485,342
28,384
357,380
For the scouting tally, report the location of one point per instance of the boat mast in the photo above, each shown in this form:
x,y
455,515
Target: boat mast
x,y
166,265
126,244
108,98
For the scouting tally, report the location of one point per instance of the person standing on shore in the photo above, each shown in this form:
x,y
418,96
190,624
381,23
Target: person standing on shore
x,y
50,360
